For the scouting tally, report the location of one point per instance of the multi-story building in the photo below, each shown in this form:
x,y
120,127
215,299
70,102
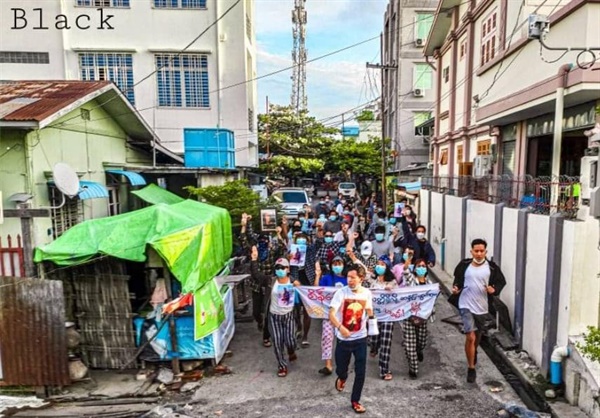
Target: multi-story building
x,y
497,89
408,93
174,60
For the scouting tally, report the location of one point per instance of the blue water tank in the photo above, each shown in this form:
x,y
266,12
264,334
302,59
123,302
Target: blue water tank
x,y
350,131
209,147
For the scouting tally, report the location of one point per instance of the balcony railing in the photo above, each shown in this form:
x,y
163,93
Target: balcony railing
x,y
515,192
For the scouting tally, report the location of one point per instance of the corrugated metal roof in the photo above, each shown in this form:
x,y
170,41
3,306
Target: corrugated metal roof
x,y
134,178
50,97
91,190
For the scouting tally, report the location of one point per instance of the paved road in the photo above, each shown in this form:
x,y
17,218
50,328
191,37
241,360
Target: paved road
x,y
254,390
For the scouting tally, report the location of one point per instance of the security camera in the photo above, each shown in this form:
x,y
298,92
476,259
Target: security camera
x,y
538,26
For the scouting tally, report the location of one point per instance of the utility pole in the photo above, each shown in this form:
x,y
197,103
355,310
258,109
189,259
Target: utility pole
x,y
267,128
382,67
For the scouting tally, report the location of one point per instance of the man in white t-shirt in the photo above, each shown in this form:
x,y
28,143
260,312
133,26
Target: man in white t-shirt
x,y
350,308
476,280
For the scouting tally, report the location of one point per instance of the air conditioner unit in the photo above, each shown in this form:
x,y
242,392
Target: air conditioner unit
x,y
589,175
430,166
418,93
419,42
482,165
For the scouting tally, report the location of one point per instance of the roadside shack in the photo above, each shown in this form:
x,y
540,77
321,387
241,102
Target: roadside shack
x,y
147,278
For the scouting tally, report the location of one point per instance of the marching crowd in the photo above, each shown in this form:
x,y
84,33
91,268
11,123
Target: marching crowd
x,y
356,247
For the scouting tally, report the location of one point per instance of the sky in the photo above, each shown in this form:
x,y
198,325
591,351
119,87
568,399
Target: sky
x,y
334,84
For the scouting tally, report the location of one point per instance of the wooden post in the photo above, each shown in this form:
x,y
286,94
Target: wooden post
x,y
172,328
26,215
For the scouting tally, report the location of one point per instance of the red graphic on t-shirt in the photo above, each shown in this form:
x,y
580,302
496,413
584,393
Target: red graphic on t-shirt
x,y
352,314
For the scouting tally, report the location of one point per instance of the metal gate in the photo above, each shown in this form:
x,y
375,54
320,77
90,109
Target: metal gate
x,y
33,346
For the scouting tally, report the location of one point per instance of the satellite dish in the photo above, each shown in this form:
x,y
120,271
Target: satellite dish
x,y
65,179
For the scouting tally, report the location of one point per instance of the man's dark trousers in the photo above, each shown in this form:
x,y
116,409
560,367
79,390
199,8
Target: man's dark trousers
x,y
343,354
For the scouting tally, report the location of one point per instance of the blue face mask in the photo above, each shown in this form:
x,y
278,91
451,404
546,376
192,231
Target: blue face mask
x,y
421,271
393,221
301,241
332,218
302,218
280,273
379,237
379,270
405,256
328,240
342,250
337,269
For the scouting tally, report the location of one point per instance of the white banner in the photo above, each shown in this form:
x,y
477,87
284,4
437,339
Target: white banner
x,y
388,305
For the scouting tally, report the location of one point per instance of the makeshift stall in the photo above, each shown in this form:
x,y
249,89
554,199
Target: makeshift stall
x,y
193,240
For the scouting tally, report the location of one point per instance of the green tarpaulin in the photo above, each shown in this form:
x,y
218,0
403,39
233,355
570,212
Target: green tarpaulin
x,y
193,238
155,194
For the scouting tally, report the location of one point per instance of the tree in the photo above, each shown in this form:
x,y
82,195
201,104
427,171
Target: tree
x,y
236,196
296,143
365,116
355,158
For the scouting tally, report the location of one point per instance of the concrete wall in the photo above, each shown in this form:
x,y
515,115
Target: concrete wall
x,y
480,224
424,209
453,233
436,232
535,285
509,258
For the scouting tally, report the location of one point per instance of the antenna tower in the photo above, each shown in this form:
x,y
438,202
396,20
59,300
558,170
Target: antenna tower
x,y
299,17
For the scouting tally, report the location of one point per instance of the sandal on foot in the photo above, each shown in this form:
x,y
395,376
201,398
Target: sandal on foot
x,y
358,408
282,372
305,343
293,356
266,343
373,353
340,384
325,371
387,376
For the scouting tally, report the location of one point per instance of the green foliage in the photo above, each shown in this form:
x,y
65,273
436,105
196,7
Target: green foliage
x,y
355,158
591,345
365,116
235,196
295,142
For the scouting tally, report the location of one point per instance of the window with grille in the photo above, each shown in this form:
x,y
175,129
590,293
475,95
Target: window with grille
x,y
251,120
22,57
488,38
116,67
423,22
459,154
423,76
446,74
114,204
68,215
182,80
103,3
180,4
444,156
249,28
483,147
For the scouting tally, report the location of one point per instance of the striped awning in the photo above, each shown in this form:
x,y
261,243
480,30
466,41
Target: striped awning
x,y
91,190
134,178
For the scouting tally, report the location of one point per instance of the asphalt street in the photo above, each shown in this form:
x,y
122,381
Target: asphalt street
x,y
254,390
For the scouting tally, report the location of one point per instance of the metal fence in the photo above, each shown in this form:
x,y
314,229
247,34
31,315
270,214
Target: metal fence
x,y
516,192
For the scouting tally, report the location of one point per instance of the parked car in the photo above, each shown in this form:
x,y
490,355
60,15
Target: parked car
x,y
291,200
347,189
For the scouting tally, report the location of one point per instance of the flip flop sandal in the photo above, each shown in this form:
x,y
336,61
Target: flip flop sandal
x,y
266,343
340,384
282,372
325,371
373,354
387,376
293,356
305,343
358,408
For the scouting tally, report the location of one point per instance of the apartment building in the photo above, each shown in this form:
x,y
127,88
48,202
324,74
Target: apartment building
x,y
497,89
408,93
138,45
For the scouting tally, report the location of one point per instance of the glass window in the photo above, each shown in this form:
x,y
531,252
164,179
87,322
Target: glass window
x,y
423,25
423,76
116,67
103,3
180,4
182,80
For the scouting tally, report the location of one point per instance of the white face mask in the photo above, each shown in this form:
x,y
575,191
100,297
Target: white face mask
x,y
420,235
366,254
483,260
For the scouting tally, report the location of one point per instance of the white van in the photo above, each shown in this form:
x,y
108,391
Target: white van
x,y
347,189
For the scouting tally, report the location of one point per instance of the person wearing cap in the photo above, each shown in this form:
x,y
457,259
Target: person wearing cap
x,y
382,344
334,278
365,257
280,308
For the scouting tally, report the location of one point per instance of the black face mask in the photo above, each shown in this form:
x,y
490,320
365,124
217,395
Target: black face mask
x,y
296,229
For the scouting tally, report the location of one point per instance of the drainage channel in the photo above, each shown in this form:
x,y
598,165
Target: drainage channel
x,y
530,397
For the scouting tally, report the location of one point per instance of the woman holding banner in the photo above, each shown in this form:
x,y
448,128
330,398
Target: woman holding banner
x,y
414,329
333,278
382,344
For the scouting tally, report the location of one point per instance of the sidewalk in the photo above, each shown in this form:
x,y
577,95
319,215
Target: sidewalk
x,y
559,409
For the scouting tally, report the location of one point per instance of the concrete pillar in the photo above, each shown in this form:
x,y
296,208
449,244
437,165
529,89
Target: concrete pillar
x,y
555,242
463,220
520,270
428,216
499,210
